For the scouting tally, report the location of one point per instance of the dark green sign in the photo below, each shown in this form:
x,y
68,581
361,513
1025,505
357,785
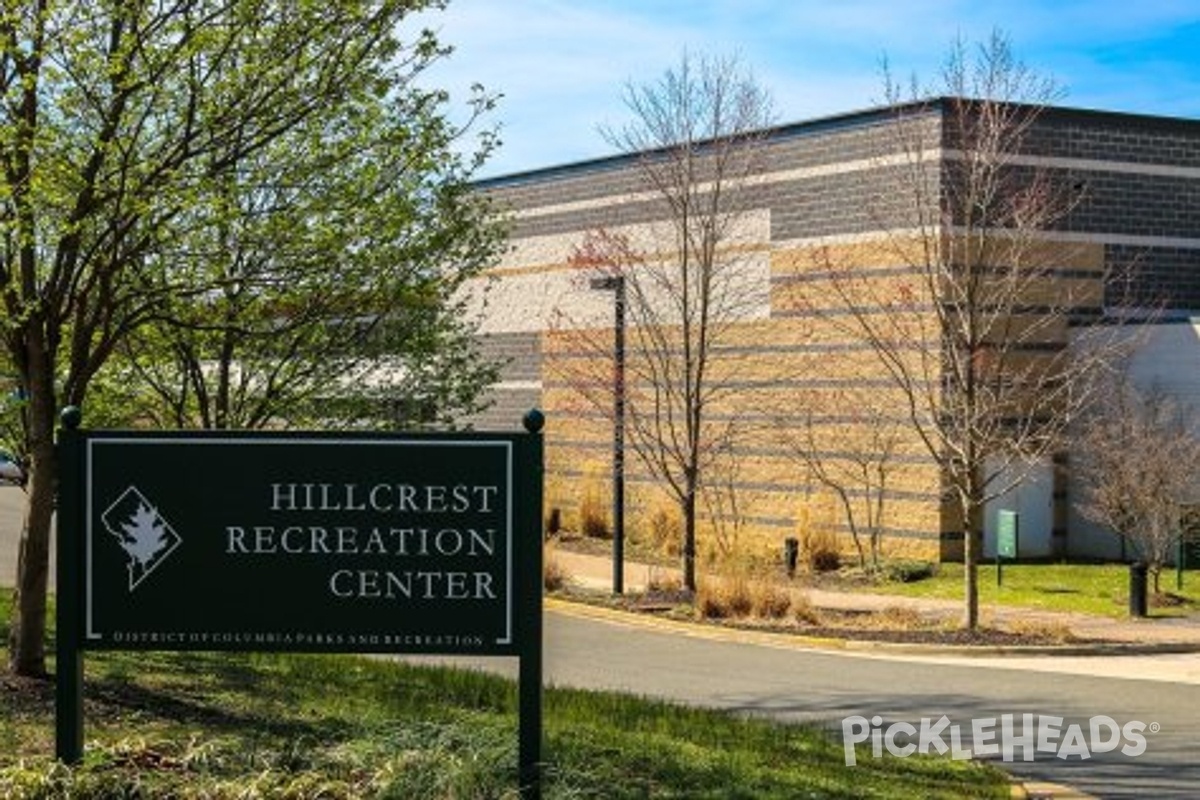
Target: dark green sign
x,y
407,543
359,544
1006,534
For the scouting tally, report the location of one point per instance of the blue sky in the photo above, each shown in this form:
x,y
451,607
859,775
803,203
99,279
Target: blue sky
x,y
561,64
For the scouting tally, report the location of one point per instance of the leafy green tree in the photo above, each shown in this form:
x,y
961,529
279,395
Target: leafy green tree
x,y
332,264
123,124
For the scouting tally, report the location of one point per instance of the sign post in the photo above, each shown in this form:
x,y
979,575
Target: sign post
x,y
68,695
529,679
319,542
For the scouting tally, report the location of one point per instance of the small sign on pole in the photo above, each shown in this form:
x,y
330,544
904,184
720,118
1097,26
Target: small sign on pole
x,y
352,543
1007,524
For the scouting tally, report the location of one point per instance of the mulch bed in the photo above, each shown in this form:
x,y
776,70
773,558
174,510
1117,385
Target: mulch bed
x,y
837,623
989,637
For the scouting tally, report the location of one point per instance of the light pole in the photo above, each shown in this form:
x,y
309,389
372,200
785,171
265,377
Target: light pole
x,y
616,285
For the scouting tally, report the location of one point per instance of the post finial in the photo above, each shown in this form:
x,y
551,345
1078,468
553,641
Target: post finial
x,y
71,417
534,420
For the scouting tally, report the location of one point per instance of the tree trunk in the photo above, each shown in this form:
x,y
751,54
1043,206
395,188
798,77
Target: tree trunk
x,y
27,633
689,539
972,546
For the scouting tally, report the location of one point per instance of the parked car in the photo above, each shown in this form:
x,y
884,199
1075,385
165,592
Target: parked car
x,y
10,470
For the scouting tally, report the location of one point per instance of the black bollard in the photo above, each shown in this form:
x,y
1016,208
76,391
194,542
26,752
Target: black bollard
x,y
1137,589
791,554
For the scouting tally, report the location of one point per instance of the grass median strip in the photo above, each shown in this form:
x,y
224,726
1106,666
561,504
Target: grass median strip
x,y
1085,588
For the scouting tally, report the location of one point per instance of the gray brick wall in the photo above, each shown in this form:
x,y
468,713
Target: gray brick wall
x,y
1116,203
812,144
521,356
1074,133
1163,276
507,410
1144,205
1121,204
851,202
831,205
1137,205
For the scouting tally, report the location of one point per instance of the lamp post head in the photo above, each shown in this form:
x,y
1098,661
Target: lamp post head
x,y
607,283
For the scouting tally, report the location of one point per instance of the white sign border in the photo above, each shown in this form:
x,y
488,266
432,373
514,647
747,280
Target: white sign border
x,y
89,514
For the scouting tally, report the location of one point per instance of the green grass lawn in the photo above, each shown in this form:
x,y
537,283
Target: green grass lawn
x,y
1089,588
203,725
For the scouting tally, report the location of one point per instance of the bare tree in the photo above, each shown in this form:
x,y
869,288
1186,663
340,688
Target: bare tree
x,y
970,319
723,502
1141,458
694,140
860,477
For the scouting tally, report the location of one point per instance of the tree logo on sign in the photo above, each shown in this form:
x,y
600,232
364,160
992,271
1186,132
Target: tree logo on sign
x,y
142,532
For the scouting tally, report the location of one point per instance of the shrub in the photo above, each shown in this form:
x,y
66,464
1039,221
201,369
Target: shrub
x,y
770,601
898,618
593,523
819,549
825,561
709,606
554,575
1042,630
666,532
738,595
724,598
821,552
803,611
908,570
663,583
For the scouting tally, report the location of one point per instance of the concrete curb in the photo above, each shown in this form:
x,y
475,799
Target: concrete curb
x,y
1041,790
1076,649
801,641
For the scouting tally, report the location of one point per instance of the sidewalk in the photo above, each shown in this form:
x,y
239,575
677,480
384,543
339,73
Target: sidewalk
x,y
594,571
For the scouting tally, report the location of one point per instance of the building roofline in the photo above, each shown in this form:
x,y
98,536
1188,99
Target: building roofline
x,y
850,119
841,121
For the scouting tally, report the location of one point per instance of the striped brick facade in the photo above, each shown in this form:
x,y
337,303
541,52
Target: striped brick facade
x,y
826,186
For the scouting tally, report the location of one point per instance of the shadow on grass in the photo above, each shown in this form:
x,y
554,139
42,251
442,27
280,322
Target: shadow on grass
x,y
213,674
24,697
109,701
